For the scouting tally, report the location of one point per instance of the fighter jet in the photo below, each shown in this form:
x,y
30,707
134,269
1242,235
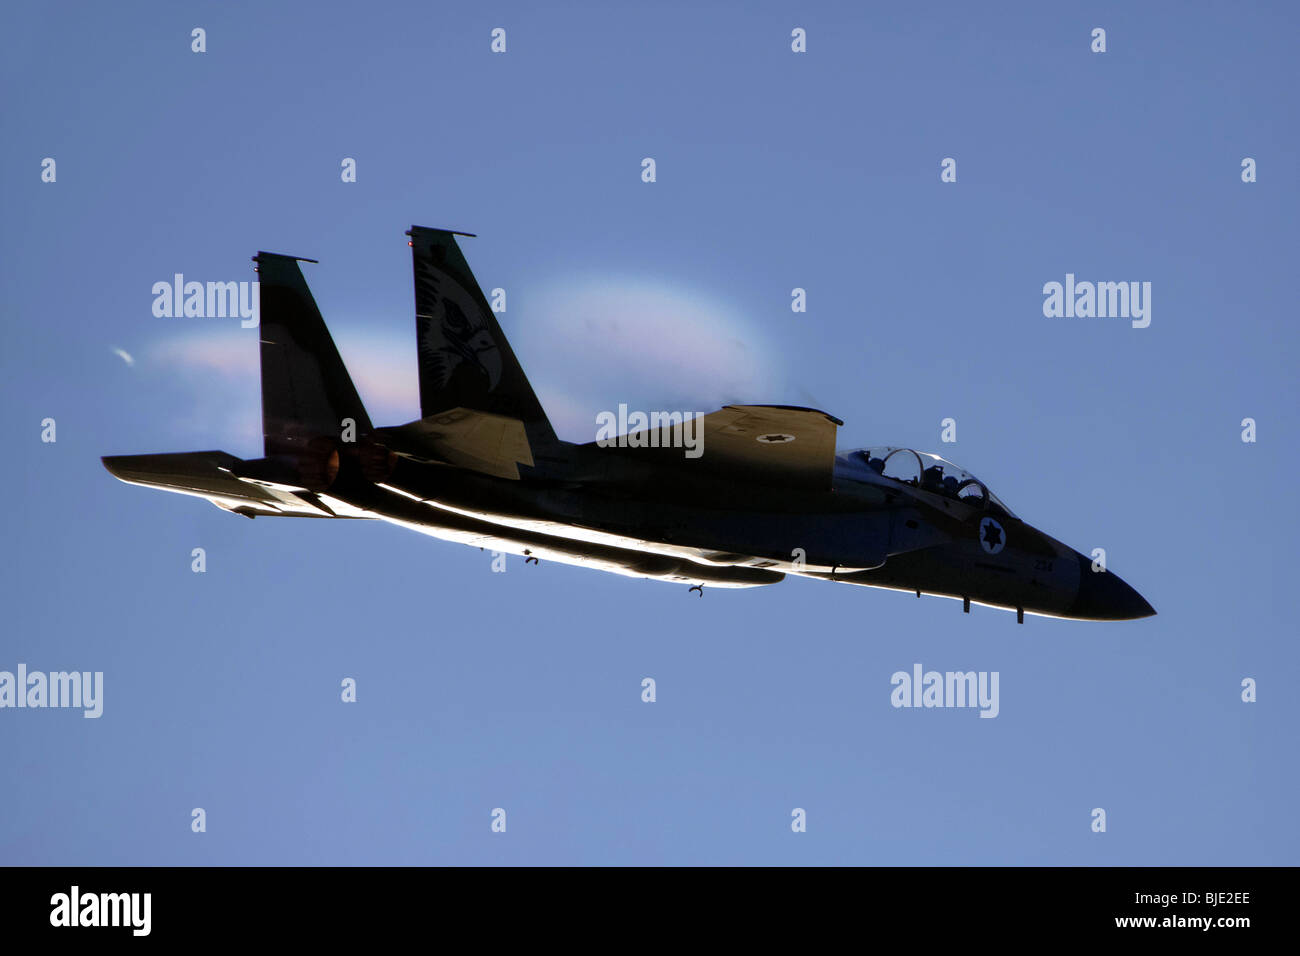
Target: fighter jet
x,y
737,498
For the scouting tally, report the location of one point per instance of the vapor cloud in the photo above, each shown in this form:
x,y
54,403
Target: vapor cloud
x,y
589,345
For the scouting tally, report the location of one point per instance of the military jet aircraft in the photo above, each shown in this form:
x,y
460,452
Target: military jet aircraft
x,y
736,498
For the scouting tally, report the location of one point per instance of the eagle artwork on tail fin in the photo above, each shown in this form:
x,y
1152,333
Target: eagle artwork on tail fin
x,y
457,349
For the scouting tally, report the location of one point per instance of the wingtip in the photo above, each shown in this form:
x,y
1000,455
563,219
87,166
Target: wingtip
x,y
111,464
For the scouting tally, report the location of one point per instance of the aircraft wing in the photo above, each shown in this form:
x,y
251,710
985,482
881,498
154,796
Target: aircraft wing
x,y
782,445
214,475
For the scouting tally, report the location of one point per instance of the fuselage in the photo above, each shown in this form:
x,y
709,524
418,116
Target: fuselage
x,y
595,507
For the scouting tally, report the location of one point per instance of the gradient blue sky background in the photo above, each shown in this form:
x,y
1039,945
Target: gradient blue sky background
x,y
522,690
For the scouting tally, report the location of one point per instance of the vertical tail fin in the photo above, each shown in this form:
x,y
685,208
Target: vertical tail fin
x,y
306,390
465,360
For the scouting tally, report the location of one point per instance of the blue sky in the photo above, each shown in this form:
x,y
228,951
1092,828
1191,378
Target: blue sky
x,y
775,170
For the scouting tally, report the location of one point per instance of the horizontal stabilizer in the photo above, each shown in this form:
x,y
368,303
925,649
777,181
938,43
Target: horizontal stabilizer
x,y
214,475
479,441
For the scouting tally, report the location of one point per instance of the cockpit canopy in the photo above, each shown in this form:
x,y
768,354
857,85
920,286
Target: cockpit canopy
x,y
928,472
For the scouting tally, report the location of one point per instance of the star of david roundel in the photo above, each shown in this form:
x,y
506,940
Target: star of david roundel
x,y
992,538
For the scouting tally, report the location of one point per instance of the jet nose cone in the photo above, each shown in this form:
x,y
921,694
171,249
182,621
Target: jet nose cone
x,y
1103,596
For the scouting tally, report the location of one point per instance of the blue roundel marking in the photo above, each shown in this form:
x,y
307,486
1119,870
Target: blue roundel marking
x,y
992,538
